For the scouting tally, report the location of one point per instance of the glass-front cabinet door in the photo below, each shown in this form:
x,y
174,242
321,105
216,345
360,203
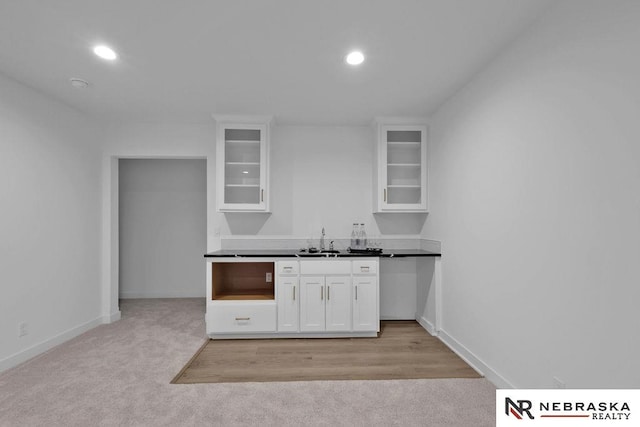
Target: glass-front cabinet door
x,y
242,169
402,169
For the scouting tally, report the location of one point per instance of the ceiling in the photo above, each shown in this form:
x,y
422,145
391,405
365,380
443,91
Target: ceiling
x,y
181,61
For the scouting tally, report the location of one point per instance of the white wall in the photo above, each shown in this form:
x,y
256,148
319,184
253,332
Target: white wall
x,y
535,195
49,222
163,227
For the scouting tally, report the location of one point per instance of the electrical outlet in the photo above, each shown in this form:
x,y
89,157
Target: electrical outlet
x,y
23,329
269,278
558,383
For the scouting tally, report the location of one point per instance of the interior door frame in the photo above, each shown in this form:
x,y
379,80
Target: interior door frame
x,y
111,229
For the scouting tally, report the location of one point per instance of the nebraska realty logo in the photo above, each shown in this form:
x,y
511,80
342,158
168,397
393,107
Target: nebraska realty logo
x,y
567,407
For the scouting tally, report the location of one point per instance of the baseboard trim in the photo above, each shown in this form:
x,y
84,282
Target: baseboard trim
x,y
475,362
169,294
38,349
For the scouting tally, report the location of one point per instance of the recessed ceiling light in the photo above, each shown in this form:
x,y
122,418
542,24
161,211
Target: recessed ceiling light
x,y
105,52
354,58
79,83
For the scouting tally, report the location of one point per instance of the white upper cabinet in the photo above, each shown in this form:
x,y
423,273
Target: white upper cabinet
x,y
242,163
401,171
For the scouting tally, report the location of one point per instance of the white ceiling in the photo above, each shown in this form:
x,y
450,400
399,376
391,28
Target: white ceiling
x,y
181,61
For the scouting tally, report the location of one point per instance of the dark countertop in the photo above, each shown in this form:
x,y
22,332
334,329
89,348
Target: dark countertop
x,y
284,253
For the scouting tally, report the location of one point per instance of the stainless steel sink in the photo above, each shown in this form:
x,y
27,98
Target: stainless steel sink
x,y
326,252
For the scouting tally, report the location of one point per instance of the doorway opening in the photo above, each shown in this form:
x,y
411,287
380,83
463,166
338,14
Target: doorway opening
x,y
162,227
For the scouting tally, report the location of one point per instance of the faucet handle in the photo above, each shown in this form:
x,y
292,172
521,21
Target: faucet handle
x,y
331,245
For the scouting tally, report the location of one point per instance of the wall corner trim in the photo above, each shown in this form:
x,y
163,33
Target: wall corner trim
x,y
428,326
113,317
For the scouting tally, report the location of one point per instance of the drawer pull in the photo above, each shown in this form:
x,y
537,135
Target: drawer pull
x,y
294,293
287,269
356,292
243,318
321,293
364,268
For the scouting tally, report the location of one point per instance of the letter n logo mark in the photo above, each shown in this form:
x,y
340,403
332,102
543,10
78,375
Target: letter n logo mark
x,y
518,409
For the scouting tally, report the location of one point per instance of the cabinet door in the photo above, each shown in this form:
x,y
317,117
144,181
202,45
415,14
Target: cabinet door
x,y
365,303
288,298
402,168
338,304
312,302
242,152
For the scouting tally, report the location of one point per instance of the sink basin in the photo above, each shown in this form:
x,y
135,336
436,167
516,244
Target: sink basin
x,y
319,253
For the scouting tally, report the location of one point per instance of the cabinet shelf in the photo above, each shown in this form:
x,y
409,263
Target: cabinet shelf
x,y
248,294
404,186
242,163
242,185
240,141
404,165
404,143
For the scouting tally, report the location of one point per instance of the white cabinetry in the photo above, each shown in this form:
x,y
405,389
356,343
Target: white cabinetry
x,y
242,163
325,303
282,298
365,296
240,297
312,315
287,295
401,172
325,299
338,304
242,317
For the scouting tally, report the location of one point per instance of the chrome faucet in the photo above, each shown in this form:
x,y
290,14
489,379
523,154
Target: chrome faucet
x,y
322,240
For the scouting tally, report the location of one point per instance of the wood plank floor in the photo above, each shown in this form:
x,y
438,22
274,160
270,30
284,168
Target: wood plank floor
x,y
404,350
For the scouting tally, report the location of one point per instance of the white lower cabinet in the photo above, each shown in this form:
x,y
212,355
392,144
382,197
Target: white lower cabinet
x,y
365,307
338,304
243,317
313,298
287,299
325,303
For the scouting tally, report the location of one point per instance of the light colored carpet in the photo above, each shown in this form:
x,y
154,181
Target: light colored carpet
x,y
119,374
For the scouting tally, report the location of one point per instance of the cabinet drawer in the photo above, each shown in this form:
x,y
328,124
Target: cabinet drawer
x,y
287,267
365,267
242,317
325,267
